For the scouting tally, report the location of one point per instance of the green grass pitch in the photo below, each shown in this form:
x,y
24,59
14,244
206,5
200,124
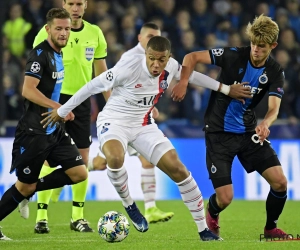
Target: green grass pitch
x,y
241,224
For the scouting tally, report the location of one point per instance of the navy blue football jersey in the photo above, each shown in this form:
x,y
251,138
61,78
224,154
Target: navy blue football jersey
x,y
45,64
229,115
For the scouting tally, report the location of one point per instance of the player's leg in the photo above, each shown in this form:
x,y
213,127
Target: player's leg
x,y
157,149
148,183
113,143
276,199
220,152
79,130
43,199
78,223
264,160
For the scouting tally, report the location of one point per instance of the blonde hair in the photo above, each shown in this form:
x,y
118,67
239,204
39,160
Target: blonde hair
x,y
262,29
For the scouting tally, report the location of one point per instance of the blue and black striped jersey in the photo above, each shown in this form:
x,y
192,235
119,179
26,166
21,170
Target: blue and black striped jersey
x,y
229,115
45,64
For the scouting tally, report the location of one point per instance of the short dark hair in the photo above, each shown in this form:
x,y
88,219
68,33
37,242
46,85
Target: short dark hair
x,y
150,25
159,43
59,13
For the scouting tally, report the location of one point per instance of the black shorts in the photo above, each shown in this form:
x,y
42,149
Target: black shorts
x,y
31,150
221,148
80,128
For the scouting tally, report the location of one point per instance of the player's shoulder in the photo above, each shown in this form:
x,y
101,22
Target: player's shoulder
x,y
131,61
41,50
273,65
173,65
91,27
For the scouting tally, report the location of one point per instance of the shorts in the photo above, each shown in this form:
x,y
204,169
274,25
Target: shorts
x,y
221,148
143,139
80,128
31,150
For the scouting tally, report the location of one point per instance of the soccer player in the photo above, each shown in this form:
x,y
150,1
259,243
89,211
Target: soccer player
x,y
126,119
34,143
85,50
148,182
231,128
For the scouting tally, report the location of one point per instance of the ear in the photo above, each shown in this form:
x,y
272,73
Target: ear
x,y
85,5
274,45
47,27
139,37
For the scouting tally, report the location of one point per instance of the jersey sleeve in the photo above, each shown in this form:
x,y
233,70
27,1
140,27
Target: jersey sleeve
x,y
222,56
36,63
101,50
176,68
276,87
40,37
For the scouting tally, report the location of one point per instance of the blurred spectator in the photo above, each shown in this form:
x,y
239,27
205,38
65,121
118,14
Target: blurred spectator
x,y
234,40
182,24
282,19
165,10
127,32
15,29
13,99
35,14
187,45
294,16
203,20
287,41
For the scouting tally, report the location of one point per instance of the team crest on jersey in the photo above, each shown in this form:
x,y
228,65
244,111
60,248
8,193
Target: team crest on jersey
x,y
263,79
163,84
35,67
213,169
217,52
89,53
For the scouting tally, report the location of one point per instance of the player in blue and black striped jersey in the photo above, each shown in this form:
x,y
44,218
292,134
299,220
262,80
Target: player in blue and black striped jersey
x,y
231,127
34,143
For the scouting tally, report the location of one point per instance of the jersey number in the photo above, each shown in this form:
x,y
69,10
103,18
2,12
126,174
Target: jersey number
x,y
150,100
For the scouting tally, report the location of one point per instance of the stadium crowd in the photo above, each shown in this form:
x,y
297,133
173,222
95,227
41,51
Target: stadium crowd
x,y
190,25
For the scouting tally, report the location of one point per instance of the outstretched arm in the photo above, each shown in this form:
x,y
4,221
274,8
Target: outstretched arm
x,y
95,86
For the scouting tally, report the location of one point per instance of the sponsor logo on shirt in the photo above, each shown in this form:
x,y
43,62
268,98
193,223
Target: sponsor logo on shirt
x,y
138,85
58,75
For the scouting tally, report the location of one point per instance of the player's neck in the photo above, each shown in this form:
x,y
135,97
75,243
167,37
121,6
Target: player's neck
x,y
52,45
77,24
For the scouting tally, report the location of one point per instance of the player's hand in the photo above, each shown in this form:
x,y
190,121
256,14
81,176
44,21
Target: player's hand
x,y
51,118
155,113
262,130
70,117
240,91
179,91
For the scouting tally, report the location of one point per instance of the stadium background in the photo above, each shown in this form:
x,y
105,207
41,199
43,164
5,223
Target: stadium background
x,y
190,25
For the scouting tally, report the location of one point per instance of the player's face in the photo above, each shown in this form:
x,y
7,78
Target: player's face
x,y
75,8
156,61
260,52
146,34
59,32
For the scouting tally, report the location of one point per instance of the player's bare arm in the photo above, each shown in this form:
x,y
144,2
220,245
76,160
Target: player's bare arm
x,y
31,93
262,130
99,67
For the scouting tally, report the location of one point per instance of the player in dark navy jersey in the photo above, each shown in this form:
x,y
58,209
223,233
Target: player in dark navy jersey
x,y
34,144
231,127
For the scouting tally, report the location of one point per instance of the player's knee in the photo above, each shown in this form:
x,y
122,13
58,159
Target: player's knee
x,y
280,184
115,161
79,175
26,189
